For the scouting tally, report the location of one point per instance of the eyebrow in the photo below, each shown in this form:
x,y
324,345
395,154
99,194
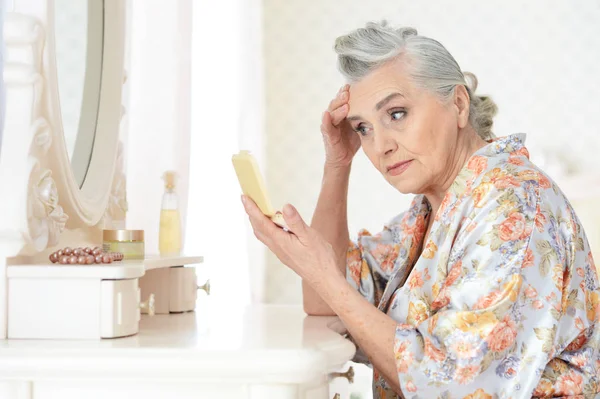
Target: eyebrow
x,y
386,100
379,105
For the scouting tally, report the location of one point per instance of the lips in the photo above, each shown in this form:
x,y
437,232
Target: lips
x,y
397,168
396,165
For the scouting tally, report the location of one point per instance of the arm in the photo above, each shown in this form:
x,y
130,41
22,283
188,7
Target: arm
x,y
330,220
372,330
368,262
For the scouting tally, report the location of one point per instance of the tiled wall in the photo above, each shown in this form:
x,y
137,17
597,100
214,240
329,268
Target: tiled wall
x,y
538,59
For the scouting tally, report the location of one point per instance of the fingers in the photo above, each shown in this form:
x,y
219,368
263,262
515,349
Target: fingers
x,y
295,223
340,99
336,112
264,229
338,115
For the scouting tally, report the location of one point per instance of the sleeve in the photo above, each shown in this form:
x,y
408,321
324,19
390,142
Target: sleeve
x,y
482,337
370,260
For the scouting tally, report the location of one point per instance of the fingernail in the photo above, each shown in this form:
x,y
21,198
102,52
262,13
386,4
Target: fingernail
x,y
244,200
344,94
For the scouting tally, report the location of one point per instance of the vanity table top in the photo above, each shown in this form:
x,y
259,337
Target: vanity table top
x,y
117,270
280,343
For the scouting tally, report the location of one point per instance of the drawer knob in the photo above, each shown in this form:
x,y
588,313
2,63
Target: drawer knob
x,y
205,287
148,306
349,375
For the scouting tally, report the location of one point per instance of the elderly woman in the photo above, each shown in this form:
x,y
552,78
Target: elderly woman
x,y
485,287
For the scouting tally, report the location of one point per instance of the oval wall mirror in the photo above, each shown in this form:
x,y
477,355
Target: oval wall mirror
x,y
85,65
78,38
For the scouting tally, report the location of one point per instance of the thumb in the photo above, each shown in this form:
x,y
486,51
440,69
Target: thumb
x,y
330,132
294,222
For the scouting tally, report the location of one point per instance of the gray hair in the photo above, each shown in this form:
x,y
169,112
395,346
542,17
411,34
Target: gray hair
x,y
430,65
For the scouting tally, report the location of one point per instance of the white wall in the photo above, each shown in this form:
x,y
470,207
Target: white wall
x,y
537,59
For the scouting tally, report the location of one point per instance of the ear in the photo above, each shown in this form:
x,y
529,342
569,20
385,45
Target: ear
x,y
462,104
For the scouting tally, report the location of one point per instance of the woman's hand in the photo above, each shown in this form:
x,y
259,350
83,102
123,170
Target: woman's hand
x,y
341,142
302,249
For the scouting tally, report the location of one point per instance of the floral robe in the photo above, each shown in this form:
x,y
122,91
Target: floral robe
x,y
503,301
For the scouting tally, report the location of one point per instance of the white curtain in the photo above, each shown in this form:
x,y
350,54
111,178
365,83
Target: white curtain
x,y
195,90
158,112
2,93
227,107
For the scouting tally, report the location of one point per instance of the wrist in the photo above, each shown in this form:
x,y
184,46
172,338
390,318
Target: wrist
x,y
338,168
331,287
336,174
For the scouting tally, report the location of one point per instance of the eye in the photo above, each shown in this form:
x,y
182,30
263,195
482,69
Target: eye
x,y
361,129
397,114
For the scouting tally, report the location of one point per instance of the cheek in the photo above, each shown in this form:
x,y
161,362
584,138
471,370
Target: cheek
x,y
420,136
432,141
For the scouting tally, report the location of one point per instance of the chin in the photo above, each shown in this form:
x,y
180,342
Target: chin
x,y
406,186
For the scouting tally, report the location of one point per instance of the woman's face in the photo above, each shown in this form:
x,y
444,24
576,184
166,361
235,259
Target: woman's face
x,y
409,135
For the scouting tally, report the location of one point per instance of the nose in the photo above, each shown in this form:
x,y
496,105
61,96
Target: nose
x,y
384,141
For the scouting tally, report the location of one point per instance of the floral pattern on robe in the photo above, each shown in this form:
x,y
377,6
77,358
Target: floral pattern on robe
x,y
502,301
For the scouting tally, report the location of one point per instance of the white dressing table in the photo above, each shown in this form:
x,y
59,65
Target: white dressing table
x,y
265,352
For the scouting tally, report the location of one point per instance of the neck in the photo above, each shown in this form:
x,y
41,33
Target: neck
x,y
468,141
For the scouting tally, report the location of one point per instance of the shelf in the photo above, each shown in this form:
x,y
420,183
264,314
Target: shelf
x,y
113,271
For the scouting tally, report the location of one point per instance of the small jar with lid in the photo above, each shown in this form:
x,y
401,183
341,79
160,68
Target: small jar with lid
x,y
129,242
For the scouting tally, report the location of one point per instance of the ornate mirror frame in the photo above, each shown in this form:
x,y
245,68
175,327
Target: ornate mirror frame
x,y
41,200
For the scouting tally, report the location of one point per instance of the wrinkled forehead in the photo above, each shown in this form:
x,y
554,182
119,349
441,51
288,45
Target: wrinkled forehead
x,y
377,85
